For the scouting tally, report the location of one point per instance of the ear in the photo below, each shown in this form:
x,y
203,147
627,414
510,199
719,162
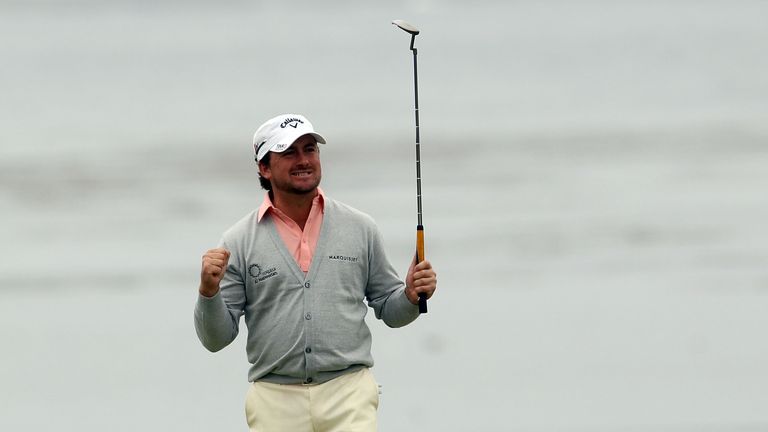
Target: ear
x,y
265,171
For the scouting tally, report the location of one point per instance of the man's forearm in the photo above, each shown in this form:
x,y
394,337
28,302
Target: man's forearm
x,y
214,324
398,311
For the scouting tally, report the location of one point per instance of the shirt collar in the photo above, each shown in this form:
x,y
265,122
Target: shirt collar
x,y
267,205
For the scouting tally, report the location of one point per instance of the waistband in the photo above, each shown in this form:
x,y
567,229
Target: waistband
x,y
317,378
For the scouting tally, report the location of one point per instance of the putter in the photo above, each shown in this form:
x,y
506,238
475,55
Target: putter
x,y
413,31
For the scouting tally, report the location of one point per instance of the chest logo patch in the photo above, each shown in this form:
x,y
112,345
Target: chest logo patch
x,y
259,275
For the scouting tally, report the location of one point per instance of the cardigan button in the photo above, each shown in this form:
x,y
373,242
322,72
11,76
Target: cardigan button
x,y
306,284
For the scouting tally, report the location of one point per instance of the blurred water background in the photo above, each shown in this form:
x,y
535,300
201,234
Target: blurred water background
x,y
594,202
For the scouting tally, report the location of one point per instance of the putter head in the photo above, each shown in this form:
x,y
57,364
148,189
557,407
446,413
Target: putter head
x,y
406,26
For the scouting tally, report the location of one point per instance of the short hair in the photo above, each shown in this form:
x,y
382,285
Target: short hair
x,y
265,184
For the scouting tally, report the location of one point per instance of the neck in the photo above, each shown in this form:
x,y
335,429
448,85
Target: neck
x,y
295,206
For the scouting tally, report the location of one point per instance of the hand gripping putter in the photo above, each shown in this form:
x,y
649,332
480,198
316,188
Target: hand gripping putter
x,y
413,31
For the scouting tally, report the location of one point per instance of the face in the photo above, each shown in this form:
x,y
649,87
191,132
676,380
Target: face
x,y
296,170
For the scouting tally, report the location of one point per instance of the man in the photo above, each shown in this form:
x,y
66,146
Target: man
x,y
299,268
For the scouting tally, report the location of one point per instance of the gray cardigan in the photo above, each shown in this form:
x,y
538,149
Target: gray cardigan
x,y
304,329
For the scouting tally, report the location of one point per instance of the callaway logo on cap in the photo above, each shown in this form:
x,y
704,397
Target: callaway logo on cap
x,y
278,133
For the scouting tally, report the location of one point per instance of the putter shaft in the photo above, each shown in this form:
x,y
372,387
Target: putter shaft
x,y
413,31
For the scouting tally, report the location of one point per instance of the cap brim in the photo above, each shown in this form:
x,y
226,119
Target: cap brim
x,y
280,147
319,138
293,139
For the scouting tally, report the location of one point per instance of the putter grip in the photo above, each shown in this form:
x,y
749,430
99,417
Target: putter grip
x,y
420,258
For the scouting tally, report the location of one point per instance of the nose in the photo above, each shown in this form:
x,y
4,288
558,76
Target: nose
x,y
304,157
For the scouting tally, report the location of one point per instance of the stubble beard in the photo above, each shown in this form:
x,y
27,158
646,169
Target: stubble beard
x,y
304,190
301,190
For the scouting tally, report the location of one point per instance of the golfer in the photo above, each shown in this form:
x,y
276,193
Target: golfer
x,y
300,268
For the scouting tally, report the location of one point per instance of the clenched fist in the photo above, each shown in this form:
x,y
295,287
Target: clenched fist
x,y
214,266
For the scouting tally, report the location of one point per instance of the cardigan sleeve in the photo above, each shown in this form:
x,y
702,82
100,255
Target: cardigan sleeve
x,y
217,318
385,291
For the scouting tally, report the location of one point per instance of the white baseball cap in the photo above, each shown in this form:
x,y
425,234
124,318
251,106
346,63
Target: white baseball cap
x,y
278,133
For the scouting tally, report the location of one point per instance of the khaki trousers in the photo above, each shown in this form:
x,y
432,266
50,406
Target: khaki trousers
x,y
344,404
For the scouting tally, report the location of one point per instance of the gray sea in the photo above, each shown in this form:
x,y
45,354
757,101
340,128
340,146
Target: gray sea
x,y
594,178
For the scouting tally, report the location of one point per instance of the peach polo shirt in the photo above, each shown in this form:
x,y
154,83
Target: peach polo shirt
x,y
301,244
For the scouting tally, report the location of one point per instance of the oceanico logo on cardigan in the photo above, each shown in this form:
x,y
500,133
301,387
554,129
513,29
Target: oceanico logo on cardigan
x,y
259,275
